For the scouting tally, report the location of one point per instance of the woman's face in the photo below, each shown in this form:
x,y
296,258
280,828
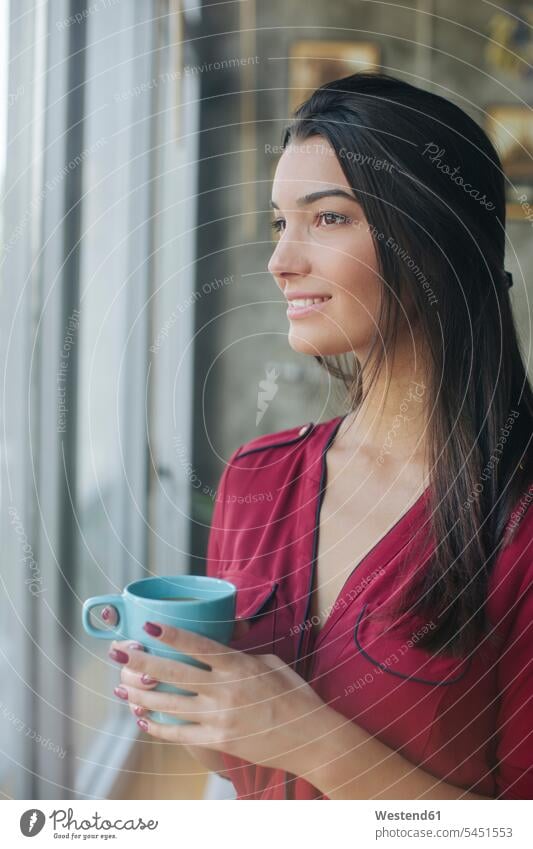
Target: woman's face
x,y
324,249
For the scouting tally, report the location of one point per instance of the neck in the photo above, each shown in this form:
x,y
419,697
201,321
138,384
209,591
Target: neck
x,y
390,426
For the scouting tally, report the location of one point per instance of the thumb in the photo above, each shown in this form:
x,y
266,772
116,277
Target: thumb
x,y
240,628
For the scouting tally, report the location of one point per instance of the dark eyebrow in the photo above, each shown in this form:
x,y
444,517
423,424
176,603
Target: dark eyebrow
x,y
325,193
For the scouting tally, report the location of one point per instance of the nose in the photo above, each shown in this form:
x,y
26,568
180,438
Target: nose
x,y
287,261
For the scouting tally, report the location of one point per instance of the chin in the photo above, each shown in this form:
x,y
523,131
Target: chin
x,y
317,345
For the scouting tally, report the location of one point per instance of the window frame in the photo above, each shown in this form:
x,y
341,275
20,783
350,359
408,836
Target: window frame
x,y
39,464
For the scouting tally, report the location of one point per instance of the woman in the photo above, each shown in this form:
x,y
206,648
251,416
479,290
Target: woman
x,y
382,558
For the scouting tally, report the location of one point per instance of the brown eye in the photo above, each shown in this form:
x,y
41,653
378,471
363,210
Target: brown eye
x,y
336,216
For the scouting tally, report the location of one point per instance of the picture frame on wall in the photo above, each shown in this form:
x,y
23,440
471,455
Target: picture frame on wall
x,y
315,62
511,131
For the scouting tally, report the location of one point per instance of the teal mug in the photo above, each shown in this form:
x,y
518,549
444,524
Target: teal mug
x,y
203,605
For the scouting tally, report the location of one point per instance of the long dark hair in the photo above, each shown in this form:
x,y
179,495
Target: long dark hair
x,y
431,183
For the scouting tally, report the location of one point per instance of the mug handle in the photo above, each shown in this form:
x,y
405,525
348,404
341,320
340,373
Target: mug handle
x,y
110,633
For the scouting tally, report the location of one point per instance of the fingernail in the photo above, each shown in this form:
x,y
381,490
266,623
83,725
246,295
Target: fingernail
x,y
152,629
106,613
121,693
119,656
142,723
136,646
138,710
147,679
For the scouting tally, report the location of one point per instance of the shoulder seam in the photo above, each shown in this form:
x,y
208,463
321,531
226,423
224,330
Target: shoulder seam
x,y
308,429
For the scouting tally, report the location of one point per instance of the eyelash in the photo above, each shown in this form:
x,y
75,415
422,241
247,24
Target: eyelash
x,y
276,224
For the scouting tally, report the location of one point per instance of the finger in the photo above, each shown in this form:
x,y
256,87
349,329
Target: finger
x,y
208,651
121,692
127,677
191,707
240,629
191,734
109,615
273,661
133,679
168,671
126,646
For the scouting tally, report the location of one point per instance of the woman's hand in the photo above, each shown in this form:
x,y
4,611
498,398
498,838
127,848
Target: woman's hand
x,y
129,678
251,706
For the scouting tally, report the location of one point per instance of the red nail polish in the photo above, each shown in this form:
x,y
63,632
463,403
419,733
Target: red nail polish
x,y
121,693
152,629
147,679
138,710
106,613
142,723
119,656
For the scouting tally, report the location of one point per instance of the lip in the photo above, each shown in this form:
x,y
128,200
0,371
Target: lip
x,y
301,312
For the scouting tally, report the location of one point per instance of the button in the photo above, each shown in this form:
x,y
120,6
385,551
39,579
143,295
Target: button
x,y
303,430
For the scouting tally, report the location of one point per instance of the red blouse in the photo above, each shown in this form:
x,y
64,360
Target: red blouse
x,y
466,721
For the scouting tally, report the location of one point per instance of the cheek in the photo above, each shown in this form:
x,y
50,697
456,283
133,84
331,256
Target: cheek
x,y
351,272
356,315
358,284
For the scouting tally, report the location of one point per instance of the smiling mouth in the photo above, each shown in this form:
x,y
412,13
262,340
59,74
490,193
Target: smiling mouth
x,y
308,302
303,306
